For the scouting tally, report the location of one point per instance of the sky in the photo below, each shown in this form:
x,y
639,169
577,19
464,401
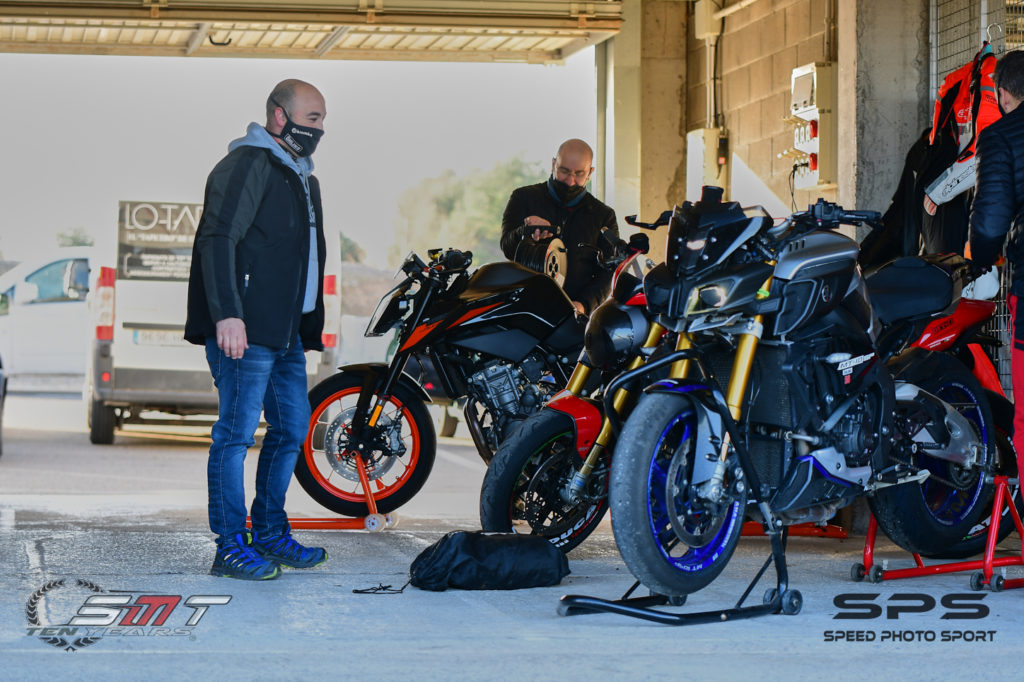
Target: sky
x,y
83,132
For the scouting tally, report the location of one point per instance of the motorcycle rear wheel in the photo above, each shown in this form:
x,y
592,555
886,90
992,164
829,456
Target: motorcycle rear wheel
x,y
525,478
654,457
933,518
327,470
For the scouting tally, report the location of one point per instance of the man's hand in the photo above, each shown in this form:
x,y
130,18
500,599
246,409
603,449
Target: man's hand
x,y
930,206
579,308
231,337
538,234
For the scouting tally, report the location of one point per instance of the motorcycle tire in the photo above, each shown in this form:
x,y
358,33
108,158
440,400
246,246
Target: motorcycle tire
x,y
525,479
659,430
328,472
934,517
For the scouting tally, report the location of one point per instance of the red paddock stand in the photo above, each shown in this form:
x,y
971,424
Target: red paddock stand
x,y
983,567
373,521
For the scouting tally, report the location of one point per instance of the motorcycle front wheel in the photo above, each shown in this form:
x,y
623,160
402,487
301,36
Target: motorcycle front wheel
x,y
523,488
672,540
934,517
397,463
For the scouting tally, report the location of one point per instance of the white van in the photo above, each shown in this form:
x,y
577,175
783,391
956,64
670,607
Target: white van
x,y
140,362
44,316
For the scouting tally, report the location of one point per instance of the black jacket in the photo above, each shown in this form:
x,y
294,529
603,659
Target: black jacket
x,y
999,195
585,280
251,252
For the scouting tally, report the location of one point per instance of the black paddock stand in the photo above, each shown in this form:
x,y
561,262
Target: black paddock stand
x,y
777,599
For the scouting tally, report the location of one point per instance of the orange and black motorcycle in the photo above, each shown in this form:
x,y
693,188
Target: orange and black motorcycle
x,y
503,338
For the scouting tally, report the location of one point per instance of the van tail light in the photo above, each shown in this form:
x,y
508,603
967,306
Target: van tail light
x,y
330,285
105,304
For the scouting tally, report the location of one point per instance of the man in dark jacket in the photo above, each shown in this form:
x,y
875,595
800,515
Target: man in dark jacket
x,y
537,212
998,207
255,300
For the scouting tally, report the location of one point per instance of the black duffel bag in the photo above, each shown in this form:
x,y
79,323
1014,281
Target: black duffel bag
x,y
477,560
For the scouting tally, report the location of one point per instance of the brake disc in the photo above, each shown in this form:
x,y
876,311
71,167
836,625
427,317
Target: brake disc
x,y
337,447
695,527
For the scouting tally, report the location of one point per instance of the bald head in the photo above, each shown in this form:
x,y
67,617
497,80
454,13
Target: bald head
x,y
573,163
293,94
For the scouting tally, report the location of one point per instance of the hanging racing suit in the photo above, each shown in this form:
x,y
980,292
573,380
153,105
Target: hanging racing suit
x,y
965,105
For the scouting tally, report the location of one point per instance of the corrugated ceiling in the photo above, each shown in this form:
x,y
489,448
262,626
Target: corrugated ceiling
x,y
535,31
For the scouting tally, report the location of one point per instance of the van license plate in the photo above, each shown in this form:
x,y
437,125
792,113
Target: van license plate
x,y
152,337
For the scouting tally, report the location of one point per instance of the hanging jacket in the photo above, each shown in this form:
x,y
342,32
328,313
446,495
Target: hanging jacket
x,y
965,105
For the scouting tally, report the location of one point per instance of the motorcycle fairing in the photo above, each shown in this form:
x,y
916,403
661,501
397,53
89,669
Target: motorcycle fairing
x,y
586,418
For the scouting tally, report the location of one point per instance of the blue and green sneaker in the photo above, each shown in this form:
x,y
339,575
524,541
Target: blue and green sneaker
x,y
236,558
286,551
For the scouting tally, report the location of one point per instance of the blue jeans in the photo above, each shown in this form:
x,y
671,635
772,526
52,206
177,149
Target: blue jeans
x,y
267,380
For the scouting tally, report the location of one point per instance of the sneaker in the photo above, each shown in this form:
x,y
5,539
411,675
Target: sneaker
x,y
286,551
236,559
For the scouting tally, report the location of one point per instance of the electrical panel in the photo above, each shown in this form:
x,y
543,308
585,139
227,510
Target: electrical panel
x,y
812,114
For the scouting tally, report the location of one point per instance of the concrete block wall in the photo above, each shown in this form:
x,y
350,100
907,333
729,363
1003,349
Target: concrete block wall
x,y
759,48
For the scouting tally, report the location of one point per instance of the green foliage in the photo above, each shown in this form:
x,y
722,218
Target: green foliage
x,y
76,236
461,212
351,252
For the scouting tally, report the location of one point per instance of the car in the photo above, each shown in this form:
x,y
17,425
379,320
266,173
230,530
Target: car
x,y
44,316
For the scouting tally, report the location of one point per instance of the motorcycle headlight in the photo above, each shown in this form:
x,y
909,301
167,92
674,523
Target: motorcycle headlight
x,y
614,334
707,298
393,307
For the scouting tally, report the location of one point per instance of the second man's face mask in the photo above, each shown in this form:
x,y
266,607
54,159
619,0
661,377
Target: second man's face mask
x,y
302,140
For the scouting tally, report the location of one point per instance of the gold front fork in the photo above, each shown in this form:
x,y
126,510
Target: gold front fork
x,y
739,378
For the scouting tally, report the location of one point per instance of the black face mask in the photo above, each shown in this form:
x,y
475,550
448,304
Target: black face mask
x,y
302,140
564,192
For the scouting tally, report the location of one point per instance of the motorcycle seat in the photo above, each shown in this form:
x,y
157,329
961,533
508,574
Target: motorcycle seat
x,y
908,289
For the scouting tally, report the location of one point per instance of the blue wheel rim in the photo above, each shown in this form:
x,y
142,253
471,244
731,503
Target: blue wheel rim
x,y
680,557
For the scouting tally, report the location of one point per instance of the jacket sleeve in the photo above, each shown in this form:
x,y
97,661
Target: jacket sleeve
x,y
233,194
594,293
511,222
995,198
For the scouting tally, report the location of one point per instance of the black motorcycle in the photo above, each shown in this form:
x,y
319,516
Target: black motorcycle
x,y
503,338
801,397
552,472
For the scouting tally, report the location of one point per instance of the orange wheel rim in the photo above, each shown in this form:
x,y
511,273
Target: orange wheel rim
x,y
337,484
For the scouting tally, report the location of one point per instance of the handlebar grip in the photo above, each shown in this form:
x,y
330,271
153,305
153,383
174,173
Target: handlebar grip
x,y
864,216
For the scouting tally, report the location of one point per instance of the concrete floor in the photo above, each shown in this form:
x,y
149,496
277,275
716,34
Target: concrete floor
x,y
129,519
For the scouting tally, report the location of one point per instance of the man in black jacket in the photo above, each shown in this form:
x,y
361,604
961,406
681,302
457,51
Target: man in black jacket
x,y
537,212
998,207
255,300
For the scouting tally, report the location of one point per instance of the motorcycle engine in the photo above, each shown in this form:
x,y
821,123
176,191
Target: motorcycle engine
x,y
510,389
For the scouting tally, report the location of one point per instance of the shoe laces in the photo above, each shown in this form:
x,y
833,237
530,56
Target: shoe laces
x,y
285,545
238,552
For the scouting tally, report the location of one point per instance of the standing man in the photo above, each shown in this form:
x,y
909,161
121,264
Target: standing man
x,y
998,208
255,300
537,211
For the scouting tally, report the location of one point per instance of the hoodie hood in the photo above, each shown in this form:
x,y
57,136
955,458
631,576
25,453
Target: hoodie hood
x,y
257,136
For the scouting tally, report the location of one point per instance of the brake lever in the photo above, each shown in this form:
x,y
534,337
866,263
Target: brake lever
x,y
663,219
